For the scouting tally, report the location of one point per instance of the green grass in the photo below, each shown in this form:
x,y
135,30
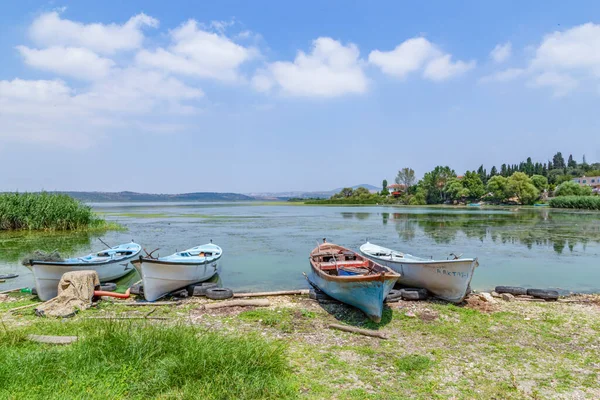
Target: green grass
x,y
47,212
581,202
413,363
138,361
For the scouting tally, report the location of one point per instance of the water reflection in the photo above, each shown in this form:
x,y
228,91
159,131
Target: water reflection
x,y
15,245
525,227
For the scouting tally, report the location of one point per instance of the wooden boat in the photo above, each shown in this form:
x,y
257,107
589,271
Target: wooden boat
x,y
110,264
447,279
351,278
163,275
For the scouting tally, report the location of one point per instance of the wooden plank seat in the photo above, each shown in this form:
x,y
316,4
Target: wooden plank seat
x,y
355,264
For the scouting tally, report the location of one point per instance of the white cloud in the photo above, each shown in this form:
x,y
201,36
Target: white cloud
x,y
442,68
418,54
330,70
68,61
50,29
506,75
198,52
560,83
501,52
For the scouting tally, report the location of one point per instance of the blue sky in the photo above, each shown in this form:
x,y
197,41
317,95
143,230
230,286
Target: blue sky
x,y
241,96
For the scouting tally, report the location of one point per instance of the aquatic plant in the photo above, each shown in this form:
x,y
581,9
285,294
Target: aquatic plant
x,y
46,211
582,202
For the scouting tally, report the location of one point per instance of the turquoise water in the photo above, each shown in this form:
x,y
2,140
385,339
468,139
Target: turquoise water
x,y
266,247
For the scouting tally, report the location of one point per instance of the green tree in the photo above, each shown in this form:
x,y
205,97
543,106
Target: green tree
x,y
571,163
493,172
498,187
558,161
482,173
433,184
520,185
503,170
571,188
384,188
455,190
540,182
406,177
345,192
419,198
473,183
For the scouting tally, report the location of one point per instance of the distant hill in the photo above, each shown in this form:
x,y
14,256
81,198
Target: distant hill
x,y
133,196
307,195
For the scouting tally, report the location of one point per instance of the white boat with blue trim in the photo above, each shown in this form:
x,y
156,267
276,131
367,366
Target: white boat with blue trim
x,y
446,279
351,278
164,275
110,264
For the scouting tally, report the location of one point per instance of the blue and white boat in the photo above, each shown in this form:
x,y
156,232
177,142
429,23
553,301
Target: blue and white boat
x,y
351,278
110,264
164,275
447,279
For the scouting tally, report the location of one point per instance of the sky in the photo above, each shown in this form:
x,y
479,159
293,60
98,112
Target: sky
x,y
271,96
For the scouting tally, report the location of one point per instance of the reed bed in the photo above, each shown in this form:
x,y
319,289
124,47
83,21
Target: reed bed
x,y
45,212
581,202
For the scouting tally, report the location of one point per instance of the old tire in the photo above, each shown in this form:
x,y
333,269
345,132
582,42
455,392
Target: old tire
x,y
181,293
108,287
137,289
543,294
34,291
414,294
514,290
318,295
199,289
394,295
219,293
8,276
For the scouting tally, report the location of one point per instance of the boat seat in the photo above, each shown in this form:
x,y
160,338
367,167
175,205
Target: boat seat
x,y
330,266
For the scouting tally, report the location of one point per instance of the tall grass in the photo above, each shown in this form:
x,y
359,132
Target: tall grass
x,y
140,361
45,211
582,202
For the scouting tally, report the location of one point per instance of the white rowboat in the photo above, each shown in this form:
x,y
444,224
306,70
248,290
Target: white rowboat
x,y
447,279
164,275
110,264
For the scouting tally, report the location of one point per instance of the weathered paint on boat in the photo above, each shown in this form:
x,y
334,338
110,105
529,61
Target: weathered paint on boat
x,y
109,264
167,274
365,292
446,279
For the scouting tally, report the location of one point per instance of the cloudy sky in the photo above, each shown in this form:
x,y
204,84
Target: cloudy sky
x,y
242,96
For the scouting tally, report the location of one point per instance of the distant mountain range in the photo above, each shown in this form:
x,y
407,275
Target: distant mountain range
x,y
203,196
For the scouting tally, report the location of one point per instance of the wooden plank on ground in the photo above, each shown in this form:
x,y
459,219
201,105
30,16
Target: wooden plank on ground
x,y
279,293
52,339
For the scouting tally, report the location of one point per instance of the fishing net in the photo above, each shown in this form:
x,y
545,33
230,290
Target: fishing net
x,y
40,255
75,292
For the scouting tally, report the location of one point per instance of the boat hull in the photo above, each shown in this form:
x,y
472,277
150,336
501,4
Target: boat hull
x,y
47,276
367,296
161,278
448,280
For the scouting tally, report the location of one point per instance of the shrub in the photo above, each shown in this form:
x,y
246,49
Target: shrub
x,y
582,202
572,189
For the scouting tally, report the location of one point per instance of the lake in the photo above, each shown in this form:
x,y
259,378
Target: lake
x,y
266,246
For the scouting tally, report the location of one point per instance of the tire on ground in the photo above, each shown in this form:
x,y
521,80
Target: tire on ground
x,y
414,294
34,291
514,290
199,289
137,289
393,295
219,293
108,287
543,294
181,293
318,295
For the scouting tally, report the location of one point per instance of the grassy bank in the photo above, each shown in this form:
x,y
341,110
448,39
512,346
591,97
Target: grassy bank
x,y
580,202
47,212
505,350
124,360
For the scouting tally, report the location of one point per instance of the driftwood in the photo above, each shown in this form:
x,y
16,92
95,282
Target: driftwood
x,y
116,317
352,329
52,339
528,299
238,303
22,307
159,303
279,293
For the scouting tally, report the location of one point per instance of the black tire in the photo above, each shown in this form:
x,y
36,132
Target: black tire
x,y
414,294
219,293
8,276
514,290
543,294
181,293
34,291
393,295
108,287
137,289
318,295
199,289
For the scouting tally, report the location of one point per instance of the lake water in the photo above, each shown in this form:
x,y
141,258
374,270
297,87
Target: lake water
x,y
266,246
